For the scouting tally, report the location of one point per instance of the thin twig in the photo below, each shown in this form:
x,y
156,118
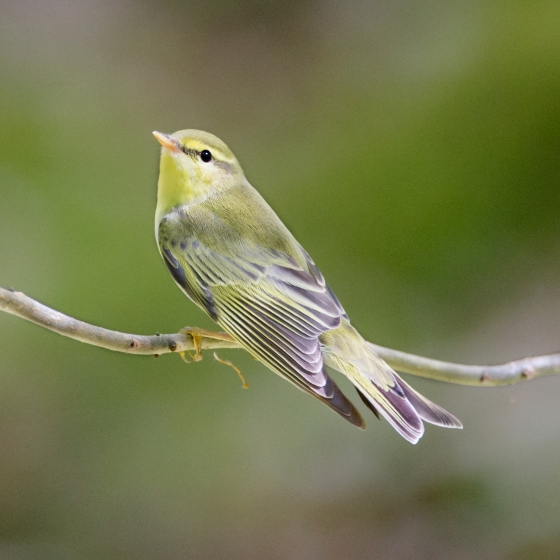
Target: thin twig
x,y
22,306
480,376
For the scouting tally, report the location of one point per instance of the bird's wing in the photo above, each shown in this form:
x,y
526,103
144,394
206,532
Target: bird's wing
x,y
274,306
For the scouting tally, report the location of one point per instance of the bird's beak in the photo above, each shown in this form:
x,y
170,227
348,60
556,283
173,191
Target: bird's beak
x,y
167,141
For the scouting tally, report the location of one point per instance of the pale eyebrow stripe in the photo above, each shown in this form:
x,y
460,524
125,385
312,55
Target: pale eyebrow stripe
x,y
194,153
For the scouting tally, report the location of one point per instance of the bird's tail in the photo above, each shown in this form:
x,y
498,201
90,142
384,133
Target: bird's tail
x,y
381,389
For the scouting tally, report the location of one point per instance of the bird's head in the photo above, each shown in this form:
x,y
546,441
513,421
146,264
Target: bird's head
x,y
194,164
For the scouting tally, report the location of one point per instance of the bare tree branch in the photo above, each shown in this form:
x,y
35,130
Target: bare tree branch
x,y
482,376
22,306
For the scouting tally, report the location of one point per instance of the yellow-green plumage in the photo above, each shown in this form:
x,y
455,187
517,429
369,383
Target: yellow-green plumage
x,y
231,254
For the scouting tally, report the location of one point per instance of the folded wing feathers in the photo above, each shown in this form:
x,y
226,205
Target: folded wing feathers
x,y
275,346
275,358
278,312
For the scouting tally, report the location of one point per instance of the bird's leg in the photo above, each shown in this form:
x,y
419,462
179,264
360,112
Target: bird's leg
x,y
197,336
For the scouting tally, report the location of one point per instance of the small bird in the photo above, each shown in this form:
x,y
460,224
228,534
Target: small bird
x,y
233,257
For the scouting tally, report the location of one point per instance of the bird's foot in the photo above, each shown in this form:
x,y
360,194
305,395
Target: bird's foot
x,y
198,335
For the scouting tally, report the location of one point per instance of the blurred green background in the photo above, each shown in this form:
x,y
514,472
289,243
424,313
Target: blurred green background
x,y
414,150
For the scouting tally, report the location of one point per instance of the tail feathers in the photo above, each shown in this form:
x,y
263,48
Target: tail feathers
x,y
426,409
405,409
396,409
383,391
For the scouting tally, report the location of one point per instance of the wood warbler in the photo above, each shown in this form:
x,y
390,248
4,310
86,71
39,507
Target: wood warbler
x,y
232,256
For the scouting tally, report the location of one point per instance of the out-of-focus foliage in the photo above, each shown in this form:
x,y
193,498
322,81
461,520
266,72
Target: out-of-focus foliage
x,y
413,148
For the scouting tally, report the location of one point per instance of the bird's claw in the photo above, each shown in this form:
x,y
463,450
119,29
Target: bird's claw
x,y
198,335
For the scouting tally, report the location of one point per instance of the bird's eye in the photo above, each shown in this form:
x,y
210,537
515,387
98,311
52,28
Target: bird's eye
x,y
205,156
